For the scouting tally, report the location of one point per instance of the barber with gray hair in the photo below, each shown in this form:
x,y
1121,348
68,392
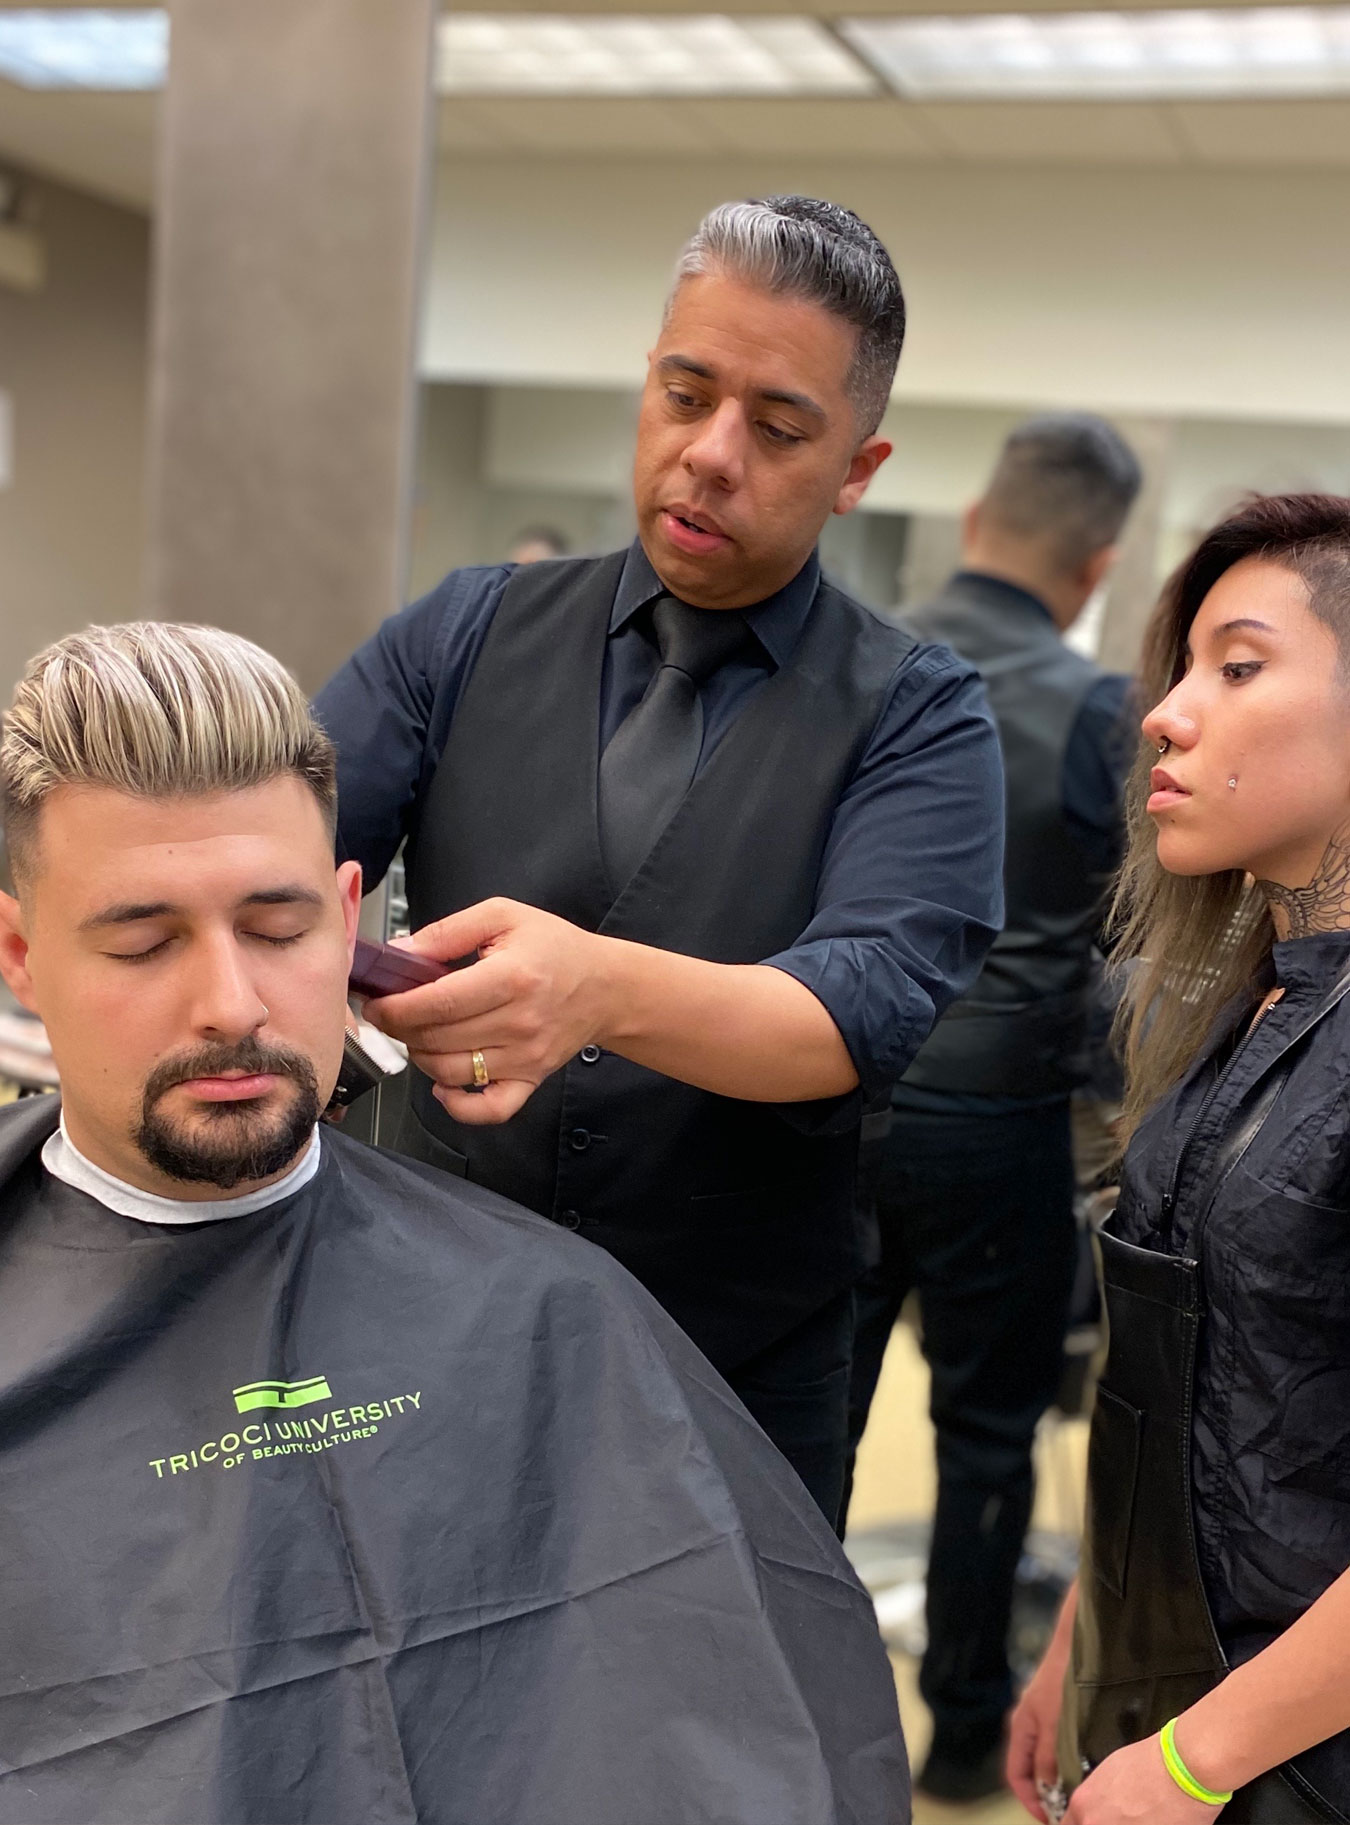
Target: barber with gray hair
x,y
973,1188
725,843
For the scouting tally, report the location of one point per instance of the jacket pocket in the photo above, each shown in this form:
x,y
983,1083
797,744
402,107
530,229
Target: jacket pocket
x,y
1113,1475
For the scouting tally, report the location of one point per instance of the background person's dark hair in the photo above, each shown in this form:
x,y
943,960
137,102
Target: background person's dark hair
x,y
802,247
1069,478
1200,938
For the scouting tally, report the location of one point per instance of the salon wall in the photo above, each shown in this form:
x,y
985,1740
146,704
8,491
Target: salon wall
x,y
1143,291
73,363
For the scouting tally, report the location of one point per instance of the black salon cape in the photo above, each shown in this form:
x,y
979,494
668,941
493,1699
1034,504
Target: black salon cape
x,y
506,1552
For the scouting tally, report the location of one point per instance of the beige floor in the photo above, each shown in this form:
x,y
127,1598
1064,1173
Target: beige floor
x,y
895,1481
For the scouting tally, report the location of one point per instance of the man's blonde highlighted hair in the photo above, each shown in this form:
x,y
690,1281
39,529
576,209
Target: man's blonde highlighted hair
x,y
158,710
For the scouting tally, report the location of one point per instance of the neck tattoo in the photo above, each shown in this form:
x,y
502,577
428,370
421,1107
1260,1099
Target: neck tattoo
x,y
1323,905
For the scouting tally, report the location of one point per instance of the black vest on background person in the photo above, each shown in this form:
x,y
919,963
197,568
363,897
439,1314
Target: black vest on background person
x,y
737,1220
1020,1030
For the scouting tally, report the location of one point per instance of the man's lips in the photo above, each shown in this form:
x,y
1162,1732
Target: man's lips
x,y
691,532
1165,792
234,1087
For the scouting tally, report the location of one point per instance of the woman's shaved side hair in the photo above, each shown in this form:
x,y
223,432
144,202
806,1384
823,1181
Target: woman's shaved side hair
x,y
154,709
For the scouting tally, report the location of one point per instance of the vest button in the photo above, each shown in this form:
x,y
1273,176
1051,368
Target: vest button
x,y
590,1055
580,1139
570,1219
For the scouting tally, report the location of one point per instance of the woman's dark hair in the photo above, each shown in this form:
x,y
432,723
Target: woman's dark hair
x,y
1200,938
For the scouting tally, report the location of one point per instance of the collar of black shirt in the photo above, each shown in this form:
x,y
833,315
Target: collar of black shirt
x,y
777,622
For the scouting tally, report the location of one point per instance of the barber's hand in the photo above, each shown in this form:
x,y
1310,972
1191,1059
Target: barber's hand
x,y
1134,1785
530,1003
1032,1730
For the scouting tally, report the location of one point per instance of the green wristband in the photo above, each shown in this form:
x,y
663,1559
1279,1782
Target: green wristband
x,y
1181,1774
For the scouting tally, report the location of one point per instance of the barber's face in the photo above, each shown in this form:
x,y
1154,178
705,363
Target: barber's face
x,y
747,441
189,959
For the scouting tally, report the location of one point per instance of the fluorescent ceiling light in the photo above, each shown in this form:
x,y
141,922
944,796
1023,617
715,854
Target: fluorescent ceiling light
x,y
660,54
84,49
1234,51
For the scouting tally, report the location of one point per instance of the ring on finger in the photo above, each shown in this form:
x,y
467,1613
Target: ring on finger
x,y
481,1080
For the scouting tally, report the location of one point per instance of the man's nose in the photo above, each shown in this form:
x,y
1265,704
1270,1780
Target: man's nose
x,y
226,1004
717,452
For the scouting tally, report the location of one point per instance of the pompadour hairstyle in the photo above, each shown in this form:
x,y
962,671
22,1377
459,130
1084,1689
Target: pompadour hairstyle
x,y
1069,477
158,710
801,247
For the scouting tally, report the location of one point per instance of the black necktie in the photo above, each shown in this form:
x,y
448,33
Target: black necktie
x,y
650,762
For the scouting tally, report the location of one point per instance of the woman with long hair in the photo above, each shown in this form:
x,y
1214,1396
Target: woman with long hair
x,y
1202,1662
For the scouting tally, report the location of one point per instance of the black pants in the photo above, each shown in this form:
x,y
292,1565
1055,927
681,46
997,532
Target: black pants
x,y
976,1212
798,1390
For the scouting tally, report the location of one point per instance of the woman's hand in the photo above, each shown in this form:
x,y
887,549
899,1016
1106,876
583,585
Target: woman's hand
x,y
1032,1731
1134,1785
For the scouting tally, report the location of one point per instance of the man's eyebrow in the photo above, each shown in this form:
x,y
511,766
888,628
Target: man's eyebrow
x,y
685,364
131,912
128,912
802,401
290,895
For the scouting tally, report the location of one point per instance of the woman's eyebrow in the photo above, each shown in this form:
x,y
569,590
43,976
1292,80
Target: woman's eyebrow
x,y
1245,621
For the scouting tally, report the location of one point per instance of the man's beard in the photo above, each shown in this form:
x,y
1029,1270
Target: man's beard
x,y
229,1143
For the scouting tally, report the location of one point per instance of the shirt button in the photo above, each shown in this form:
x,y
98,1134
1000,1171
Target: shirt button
x,y
590,1055
580,1139
570,1219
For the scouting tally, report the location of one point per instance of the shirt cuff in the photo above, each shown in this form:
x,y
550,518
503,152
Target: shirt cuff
x,y
882,1014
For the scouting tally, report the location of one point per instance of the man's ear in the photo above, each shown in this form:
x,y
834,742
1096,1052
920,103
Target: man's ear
x,y
867,459
349,893
14,953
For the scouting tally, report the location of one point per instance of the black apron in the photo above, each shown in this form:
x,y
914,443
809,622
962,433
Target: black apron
x,y
1145,1645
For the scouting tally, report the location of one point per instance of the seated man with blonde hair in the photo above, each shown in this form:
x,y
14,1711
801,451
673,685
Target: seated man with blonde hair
x,y
333,1489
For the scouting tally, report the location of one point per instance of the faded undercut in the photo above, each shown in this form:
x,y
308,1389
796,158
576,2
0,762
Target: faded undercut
x,y
801,247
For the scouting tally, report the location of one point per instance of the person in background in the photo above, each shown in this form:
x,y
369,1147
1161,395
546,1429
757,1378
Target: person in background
x,y
973,1186
535,544
724,841
1207,1641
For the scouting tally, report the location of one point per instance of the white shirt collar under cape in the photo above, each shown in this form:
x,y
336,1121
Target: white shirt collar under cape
x,y
64,1161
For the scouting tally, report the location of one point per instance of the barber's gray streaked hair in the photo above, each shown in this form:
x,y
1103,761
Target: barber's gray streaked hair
x,y
1068,477
800,247
154,709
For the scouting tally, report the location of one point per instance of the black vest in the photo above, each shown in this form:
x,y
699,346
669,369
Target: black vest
x,y
738,1222
1020,1030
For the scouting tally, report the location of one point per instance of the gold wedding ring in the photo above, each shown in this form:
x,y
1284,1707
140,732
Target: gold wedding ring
x,y
481,1080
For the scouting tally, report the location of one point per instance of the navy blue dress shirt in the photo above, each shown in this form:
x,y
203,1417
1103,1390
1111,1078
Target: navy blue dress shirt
x,y
910,891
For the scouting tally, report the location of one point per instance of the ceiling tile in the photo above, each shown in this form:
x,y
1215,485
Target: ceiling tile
x,y
884,128
1266,132
1118,133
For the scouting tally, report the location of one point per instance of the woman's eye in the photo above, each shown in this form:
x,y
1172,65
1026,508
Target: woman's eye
x,y
1237,671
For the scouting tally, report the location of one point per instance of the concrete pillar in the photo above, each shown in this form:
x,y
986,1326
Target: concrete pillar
x,y
293,169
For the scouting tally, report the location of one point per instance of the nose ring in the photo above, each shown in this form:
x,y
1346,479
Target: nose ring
x,y
1164,745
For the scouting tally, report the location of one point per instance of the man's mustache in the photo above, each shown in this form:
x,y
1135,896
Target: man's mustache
x,y
248,1056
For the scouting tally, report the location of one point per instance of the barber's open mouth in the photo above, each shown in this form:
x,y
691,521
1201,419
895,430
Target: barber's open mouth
x,y
691,531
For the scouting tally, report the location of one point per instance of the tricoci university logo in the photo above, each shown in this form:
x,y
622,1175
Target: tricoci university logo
x,y
293,1437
